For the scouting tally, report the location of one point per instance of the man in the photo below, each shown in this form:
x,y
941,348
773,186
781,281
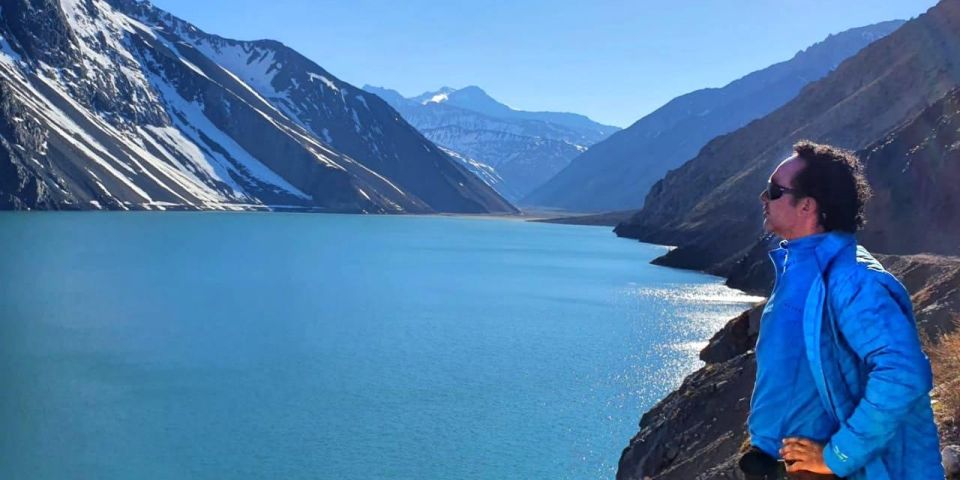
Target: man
x,y
842,386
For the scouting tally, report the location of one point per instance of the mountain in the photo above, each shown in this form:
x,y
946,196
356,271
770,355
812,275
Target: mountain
x,y
523,148
473,98
617,173
709,206
120,105
915,173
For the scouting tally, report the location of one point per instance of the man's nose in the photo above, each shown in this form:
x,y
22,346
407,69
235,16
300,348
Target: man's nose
x,y
764,196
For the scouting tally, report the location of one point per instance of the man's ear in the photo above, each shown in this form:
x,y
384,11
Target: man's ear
x,y
809,205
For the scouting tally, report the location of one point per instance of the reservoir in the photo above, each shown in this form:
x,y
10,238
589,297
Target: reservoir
x,y
304,346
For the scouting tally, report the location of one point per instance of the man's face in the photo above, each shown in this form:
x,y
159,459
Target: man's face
x,y
783,216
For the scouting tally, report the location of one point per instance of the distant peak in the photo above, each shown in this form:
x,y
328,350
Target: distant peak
x,y
392,97
472,89
374,89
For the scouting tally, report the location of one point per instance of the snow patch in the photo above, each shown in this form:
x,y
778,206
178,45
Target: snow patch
x,y
438,98
326,81
186,138
484,172
252,66
7,55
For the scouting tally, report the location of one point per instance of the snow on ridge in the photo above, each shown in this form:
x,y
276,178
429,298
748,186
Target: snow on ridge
x,y
168,157
82,140
7,55
253,66
255,75
252,167
326,81
68,129
104,50
485,172
108,25
438,98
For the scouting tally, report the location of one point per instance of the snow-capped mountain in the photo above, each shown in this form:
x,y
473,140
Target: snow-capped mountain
x,y
117,104
524,148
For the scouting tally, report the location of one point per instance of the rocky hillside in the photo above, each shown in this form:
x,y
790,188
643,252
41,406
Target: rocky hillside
x,y
617,173
699,430
916,206
709,206
522,149
119,105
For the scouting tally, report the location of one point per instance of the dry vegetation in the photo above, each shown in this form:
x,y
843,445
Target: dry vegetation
x,y
945,358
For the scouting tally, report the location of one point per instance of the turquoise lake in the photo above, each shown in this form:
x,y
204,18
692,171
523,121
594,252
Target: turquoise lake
x,y
307,346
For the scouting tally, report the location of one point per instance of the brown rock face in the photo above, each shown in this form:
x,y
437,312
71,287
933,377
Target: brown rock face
x,y
698,429
709,206
916,173
737,337
934,285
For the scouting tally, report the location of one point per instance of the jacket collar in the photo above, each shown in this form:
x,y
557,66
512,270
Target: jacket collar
x,y
831,246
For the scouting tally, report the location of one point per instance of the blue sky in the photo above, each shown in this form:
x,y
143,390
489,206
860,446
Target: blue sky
x,y
614,61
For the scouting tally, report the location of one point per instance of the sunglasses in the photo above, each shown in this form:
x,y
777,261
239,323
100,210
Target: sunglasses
x,y
775,190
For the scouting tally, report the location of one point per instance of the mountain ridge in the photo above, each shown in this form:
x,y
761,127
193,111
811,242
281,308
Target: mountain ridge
x,y
616,174
523,148
147,111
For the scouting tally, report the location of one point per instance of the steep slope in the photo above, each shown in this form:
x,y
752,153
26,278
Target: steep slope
x,y
524,148
121,105
709,206
617,173
915,173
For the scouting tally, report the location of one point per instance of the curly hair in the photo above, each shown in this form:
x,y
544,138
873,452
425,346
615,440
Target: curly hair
x,y
834,178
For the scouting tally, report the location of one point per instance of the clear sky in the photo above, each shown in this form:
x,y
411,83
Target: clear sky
x,y
612,60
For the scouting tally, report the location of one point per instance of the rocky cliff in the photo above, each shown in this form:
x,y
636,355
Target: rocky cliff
x,y
916,205
119,105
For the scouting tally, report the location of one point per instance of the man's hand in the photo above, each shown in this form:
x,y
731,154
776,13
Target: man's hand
x,y
802,455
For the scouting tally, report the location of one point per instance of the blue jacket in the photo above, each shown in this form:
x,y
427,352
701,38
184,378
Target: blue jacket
x,y
872,376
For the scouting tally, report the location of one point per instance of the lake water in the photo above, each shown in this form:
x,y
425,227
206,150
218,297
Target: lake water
x,y
301,346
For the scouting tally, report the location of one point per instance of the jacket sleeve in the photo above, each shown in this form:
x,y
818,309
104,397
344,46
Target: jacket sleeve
x,y
898,374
